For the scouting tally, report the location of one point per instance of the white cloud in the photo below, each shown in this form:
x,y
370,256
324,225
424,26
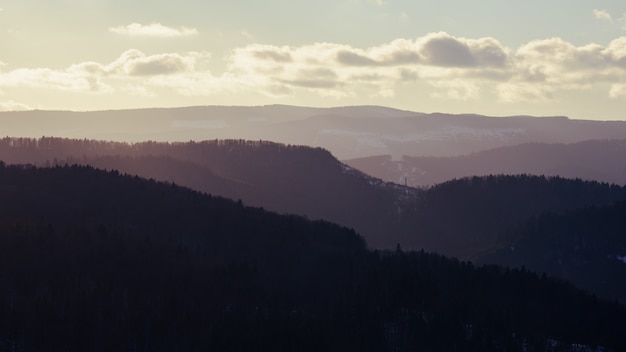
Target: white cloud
x,y
13,106
602,15
546,67
93,77
135,63
153,30
438,49
342,70
618,90
441,49
513,92
385,93
138,90
202,83
448,67
67,80
457,89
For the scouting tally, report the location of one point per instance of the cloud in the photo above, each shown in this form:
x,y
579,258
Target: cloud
x,y
202,83
385,93
13,106
545,68
314,78
441,49
436,64
153,30
456,89
343,70
513,92
349,58
447,51
602,15
92,76
268,53
135,63
617,90
67,80
436,49
606,16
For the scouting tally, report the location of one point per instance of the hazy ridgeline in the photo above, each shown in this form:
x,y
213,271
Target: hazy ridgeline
x,y
472,218
347,132
598,160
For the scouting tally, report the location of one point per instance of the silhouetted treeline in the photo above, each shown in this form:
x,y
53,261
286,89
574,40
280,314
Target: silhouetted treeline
x,y
474,215
585,246
283,178
467,218
447,218
98,261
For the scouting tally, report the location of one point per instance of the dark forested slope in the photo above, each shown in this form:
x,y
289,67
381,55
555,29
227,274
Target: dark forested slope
x,y
462,218
470,216
94,260
287,179
585,246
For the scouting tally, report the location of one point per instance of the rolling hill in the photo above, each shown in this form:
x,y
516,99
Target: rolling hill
x,y
585,246
95,260
599,160
347,132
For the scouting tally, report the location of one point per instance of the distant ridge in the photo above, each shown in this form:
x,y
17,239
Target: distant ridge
x,y
599,160
468,218
348,132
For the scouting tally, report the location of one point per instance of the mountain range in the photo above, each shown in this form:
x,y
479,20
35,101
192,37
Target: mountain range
x,y
347,132
468,218
599,160
96,260
168,195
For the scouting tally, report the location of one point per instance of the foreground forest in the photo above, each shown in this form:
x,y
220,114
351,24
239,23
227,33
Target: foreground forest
x,y
475,218
96,260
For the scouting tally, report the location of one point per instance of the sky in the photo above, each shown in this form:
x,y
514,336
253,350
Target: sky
x,y
492,57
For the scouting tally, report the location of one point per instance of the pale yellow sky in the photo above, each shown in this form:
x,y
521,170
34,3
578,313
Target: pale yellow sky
x,y
489,57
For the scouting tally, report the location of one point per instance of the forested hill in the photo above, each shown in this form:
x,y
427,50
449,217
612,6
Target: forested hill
x,y
282,178
584,246
461,218
97,261
348,132
598,160
470,216
79,198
